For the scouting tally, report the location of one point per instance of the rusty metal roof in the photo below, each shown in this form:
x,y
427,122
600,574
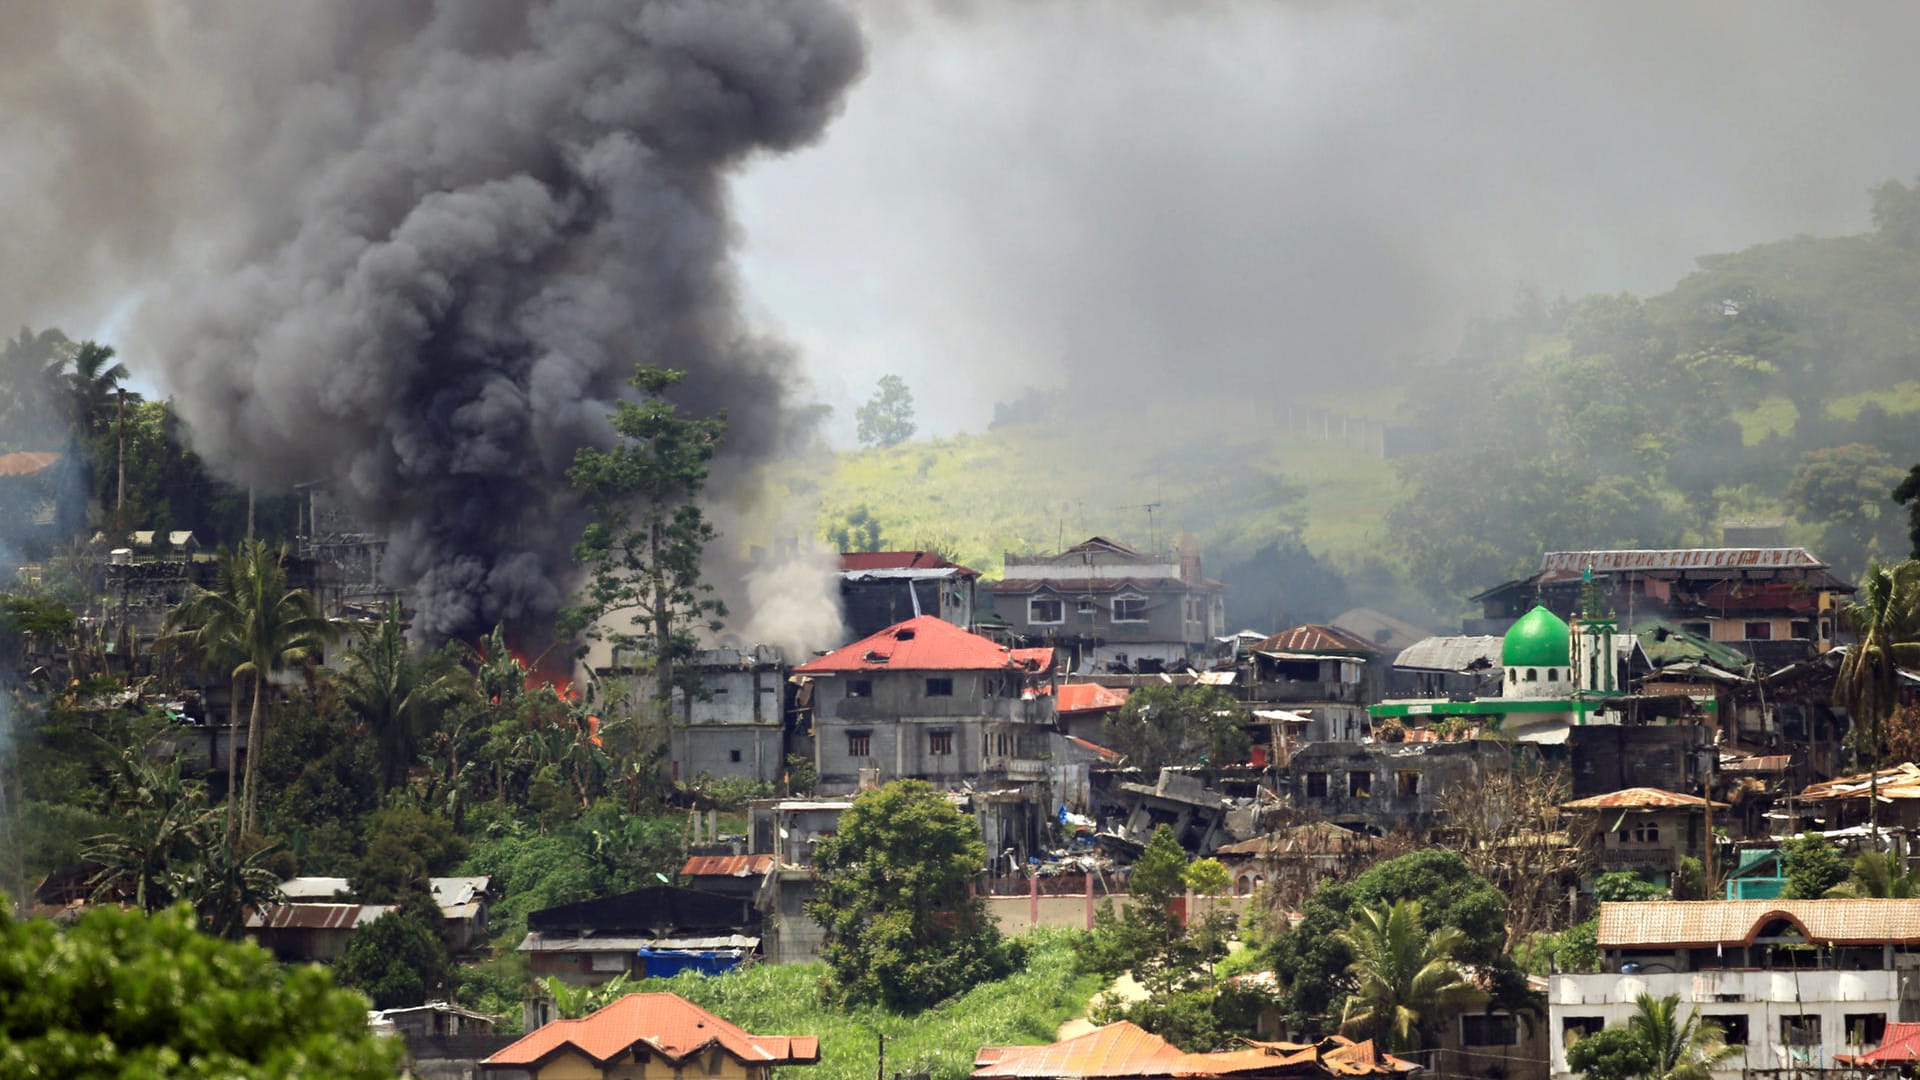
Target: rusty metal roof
x,y
1315,638
1602,562
1641,798
1662,924
727,866
1901,781
27,462
856,561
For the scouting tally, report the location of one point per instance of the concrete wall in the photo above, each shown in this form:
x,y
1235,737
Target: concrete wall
x,y
1428,769
1167,612
751,752
1762,998
982,726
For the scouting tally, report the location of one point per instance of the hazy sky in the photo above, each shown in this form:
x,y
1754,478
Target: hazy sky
x,y
1268,194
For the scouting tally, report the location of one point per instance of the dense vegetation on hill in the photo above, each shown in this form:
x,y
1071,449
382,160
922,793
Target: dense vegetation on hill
x,y
1775,382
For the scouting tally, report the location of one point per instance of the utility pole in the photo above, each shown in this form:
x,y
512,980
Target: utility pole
x,y
880,1070
120,501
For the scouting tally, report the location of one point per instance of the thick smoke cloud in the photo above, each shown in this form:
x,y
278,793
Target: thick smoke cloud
x,y
411,251
1258,197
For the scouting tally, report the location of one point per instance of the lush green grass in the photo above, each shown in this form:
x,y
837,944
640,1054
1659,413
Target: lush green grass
x,y
1899,399
1025,1008
1773,416
1219,468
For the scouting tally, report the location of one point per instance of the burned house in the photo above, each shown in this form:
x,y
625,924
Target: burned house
x,y
788,831
1777,605
648,932
1113,608
1647,831
1457,668
1322,671
881,588
1379,787
735,726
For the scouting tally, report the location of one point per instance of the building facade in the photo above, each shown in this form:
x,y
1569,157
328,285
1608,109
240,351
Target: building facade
x,y
1113,607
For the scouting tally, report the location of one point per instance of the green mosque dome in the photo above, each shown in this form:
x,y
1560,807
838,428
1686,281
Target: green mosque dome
x,y
1539,639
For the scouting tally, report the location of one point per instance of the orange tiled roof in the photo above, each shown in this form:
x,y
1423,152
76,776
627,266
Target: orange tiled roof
x,y
1701,923
1641,798
1124,1050
665,1024
26,462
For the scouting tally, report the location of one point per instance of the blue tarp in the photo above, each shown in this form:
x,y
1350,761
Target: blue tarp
x,y
664,963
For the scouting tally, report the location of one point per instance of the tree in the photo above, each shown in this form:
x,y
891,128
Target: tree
x,y
1404,976
409,847
1812,866
122,994
1614,1053
397,960
1877,874
1908,495
1844,490
92,384
254,626
398,693
232,879
857,530
1887,620
572,1001
1673,1049
901,928
1175,725
887,417
647,532
1508,827
163,826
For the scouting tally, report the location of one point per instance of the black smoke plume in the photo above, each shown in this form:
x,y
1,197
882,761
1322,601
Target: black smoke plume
x,y
461,227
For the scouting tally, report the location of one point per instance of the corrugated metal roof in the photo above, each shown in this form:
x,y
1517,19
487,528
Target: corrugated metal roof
x,y
1701,923
315,916
1315,638
1902,781
1088,697
668,1024
1762,763
1899,1044
1641,798
727,866
900,560
1458,654
1782,558
540,941
926,643
300,889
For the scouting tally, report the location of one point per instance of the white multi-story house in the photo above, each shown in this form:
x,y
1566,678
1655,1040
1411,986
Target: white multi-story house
x,y
1793,983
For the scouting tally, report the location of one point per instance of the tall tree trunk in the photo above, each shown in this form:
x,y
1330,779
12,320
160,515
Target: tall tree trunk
x,y
233,762
254,728
662,621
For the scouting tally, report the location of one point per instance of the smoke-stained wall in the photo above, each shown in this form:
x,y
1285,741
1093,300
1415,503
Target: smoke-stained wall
x,y
413,250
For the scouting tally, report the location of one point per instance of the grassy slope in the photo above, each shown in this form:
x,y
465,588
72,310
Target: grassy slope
x,y
1027,488
1025,1008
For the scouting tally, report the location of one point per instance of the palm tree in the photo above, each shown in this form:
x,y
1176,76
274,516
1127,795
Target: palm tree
x,y
1681,1050
1877,875
1887,618
1404,975
259,626
400,695
92,383
231,879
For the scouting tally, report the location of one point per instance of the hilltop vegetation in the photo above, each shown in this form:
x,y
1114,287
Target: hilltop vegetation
x,y
1596,422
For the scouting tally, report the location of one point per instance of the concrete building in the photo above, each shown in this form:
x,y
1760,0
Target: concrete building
x,y
1793,983
927,700
1114,608
881,588
1378,787
1323,672
736,726
1647,831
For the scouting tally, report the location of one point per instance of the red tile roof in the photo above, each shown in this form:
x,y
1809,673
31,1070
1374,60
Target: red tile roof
x,y
666,1024
1124,1050
1899,1045
1088,697
899,560
1104,753
1314,637
27,462
1701,923
726,865
1641,798
927,643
